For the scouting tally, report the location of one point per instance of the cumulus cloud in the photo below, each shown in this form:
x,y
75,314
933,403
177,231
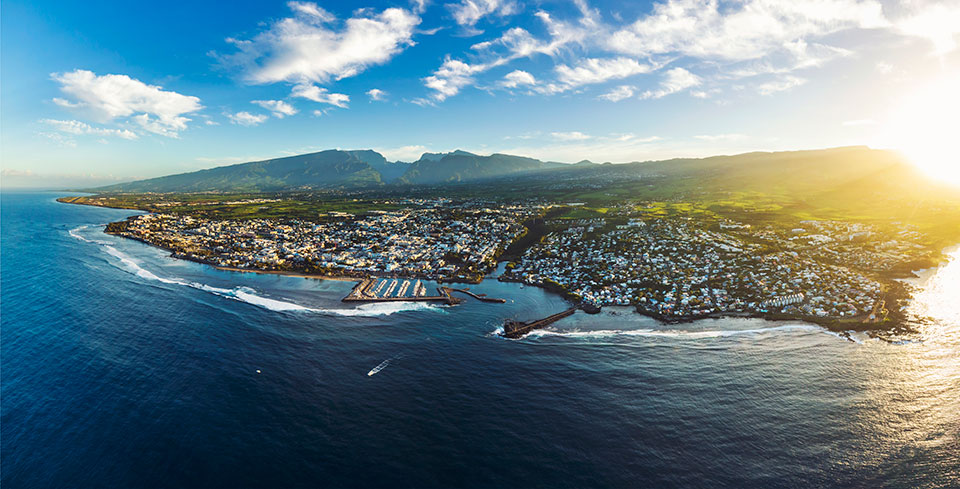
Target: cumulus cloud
x,y
247,119
517,78
82,128
618,93
738,31
108,98
598,70
514,43
723,39
376,94
313,47
278,108
469,12
674,80
452,75
321,95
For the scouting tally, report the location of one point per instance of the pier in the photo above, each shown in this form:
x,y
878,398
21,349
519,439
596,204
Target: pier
x,y
515,329
479,297
368,290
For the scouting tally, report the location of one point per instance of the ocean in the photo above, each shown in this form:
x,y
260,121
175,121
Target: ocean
x,y
122,367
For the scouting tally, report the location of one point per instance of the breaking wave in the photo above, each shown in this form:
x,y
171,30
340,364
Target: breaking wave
x,y
249,295
607,333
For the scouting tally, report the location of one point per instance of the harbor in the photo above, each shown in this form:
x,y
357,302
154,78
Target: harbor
x,y
397,290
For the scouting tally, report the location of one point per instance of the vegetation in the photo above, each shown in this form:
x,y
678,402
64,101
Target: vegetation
x,y
853,184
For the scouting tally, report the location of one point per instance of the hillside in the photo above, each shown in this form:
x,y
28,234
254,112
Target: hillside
x,y
461,166
389,170
326,169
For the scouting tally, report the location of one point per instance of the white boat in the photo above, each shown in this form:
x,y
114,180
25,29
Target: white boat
x,y
378,368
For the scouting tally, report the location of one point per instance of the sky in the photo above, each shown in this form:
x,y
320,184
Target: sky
x,y
98,92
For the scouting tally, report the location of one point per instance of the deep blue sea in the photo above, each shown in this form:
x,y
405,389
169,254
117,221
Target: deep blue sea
x,y
123,367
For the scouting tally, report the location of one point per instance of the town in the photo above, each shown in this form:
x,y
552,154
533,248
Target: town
x,y
679,268
435,240
674,268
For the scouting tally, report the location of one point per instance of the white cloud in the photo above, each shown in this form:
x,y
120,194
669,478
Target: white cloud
x,y
937,22
513,44
311,11
110,97
469,12
247,119
376,94
517,78
311,47
674,80
403,153
720,137
884,68
419,6
618,93
321,95
82,128
450,78
59,139
723,39
278,108
737,31
598,70
570,136
780,85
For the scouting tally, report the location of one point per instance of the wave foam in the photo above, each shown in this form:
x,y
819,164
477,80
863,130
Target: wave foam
x,y
606,333
75,232
249,295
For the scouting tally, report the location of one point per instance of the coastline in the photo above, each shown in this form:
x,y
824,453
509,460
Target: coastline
x,y
284,273
895,323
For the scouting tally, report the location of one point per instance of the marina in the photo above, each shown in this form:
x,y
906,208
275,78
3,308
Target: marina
x,y
382,290
368,290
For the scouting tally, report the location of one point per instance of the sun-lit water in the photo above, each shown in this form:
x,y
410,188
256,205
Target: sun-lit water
x,y
122,367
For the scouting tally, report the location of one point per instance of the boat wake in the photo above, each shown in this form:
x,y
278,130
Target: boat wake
x,y
249,295
383,365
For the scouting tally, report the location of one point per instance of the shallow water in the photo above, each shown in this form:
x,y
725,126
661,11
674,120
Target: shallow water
x,y
123,367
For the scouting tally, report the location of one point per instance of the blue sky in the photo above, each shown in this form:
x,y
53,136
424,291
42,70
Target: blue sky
x,y
101,91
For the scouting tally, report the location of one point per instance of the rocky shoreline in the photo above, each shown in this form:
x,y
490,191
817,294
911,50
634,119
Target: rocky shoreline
x,y
895,321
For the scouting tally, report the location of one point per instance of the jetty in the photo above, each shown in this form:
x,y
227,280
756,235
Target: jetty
x,y
516,329
479,297
369,290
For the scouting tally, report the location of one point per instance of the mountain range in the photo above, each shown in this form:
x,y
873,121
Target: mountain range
x,y
848,169
338,169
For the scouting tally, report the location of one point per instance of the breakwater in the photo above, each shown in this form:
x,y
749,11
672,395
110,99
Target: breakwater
x,y
516,329
479,297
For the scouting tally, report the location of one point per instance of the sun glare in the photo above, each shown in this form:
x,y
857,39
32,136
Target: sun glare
x,y
925,127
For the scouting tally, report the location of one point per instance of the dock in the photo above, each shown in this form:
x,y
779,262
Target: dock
x,y
479,297
515,329
369,290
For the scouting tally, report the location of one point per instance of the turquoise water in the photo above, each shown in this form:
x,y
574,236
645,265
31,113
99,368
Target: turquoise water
x,y
122,367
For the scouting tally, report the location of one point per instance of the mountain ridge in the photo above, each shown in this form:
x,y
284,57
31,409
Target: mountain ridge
x,y
357,169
